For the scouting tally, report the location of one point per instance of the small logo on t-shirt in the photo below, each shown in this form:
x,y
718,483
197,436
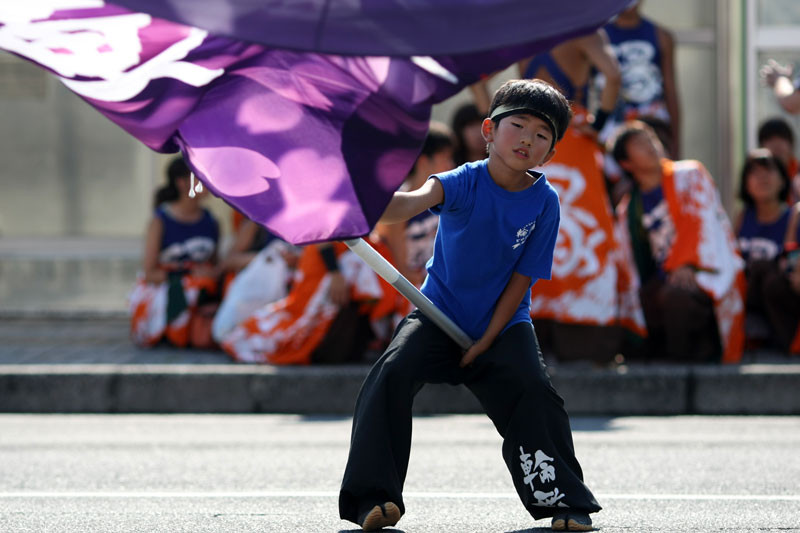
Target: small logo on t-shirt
x,y
522,234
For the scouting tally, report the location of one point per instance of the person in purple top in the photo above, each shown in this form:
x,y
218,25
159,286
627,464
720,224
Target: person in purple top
x,y
761,226
177,289
498,223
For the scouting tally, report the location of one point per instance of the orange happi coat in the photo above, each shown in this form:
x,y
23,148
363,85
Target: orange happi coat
x,y
148,303
594,279
287,331
705,241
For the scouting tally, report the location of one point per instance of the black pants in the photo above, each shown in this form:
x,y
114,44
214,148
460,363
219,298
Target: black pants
x,y
511,384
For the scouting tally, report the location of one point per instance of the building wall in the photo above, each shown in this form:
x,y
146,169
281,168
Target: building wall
x,y
67,170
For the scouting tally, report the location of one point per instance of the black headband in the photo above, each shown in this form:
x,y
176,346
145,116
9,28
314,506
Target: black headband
x,y
503,111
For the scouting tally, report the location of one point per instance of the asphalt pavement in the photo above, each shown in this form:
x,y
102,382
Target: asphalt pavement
x,y
280,473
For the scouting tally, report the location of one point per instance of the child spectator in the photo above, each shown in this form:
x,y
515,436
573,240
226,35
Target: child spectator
x,y
497,230
761,230
782,290
470,145
578,314
176,294
776,135
645,52
411,242
684,250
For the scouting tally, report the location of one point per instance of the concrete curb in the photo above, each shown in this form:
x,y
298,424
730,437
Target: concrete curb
x,y
668,390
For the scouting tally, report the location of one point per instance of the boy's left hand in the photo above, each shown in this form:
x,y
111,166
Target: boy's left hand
x,y
474,351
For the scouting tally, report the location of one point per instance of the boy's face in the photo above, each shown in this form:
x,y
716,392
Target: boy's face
x,y
521,141
644,154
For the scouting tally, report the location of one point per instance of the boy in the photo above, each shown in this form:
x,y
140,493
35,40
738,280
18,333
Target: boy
x,y
497,230
685,252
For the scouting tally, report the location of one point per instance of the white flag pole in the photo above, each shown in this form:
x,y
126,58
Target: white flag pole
x,y
385,270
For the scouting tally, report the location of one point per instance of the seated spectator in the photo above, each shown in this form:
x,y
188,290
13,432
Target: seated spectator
x,y
776,135
466,125
411,242
325,318
774,286
619,184
685,253
176,293
761,230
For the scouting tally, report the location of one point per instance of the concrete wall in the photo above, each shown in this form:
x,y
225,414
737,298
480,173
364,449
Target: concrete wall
x,y
67,170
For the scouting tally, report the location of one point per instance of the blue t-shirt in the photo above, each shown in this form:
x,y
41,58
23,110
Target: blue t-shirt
x,y
487,233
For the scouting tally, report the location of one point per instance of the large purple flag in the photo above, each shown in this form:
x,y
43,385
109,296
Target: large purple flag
x,y
310,145
384,27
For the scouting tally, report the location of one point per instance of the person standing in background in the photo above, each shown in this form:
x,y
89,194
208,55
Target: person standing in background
x,y
645,52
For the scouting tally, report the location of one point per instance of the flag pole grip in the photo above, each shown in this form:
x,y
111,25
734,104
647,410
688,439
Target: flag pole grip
x,y
384,269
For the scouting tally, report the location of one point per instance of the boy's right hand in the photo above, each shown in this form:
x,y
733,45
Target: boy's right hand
x,y
474,351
